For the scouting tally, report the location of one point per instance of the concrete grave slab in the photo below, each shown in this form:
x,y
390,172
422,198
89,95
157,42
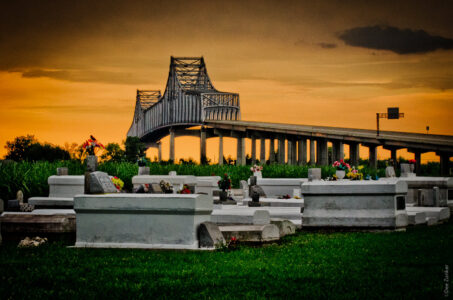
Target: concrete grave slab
x,y
354,204
209,235
157,221
251,217
251,233
441,213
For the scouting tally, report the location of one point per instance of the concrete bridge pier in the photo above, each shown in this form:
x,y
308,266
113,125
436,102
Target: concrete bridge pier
x,y
354,154
263,151
322,152
281,150
272,150
290,152
337,150
240,157
172,144
159,151
444,163
294,152
253,150
302,152
312,152
417,157
220,149
203,158
372,157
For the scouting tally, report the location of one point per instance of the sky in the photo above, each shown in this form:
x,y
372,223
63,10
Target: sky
x,y
69,69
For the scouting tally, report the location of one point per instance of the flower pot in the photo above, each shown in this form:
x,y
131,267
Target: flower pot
x,y
223,196
258,174
92,163
412,167
340,174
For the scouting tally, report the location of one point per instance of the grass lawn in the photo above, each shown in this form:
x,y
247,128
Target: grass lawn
x,y
355,265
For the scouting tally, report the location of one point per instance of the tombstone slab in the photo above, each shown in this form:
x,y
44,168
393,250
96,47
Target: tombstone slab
x,y
209,235
154,221
314,174
252,217
100,183
251,233
354,204
285,227
143,170
62,171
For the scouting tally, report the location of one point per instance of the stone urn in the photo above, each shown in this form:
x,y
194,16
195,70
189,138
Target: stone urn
x,y
223,196
412,167
92,163
340,174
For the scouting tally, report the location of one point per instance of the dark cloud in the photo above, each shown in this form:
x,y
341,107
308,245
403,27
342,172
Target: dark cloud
x,y
88,76
327,45
401,41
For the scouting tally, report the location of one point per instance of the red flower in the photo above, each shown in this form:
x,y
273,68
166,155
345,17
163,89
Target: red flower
x,y
233,239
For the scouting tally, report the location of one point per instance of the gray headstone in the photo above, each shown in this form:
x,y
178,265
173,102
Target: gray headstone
x,y
405,168
156,188
314,174
390,172
259,190
100,183
62,171
244,185
143,171
209,235
172,173
92,163
20,196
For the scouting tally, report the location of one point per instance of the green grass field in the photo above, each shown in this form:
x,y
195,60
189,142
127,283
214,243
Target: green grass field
x,y
350,265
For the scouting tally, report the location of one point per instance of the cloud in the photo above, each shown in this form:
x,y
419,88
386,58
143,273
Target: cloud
x,y
88,76
327,45
401,41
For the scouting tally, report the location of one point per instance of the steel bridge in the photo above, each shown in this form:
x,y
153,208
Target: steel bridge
x,y
190,100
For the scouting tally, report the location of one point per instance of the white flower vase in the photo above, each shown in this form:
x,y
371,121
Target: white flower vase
x,y
258,174
340,174
412,167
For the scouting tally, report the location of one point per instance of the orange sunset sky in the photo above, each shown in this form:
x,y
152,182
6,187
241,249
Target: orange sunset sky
x,y
69,69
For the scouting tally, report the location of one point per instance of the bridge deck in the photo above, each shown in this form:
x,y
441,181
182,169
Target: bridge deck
x,y
442,143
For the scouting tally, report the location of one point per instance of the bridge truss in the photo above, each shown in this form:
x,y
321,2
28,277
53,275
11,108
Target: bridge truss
x,y
189,99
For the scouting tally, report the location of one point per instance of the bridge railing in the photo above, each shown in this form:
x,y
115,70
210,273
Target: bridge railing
x,y
220,106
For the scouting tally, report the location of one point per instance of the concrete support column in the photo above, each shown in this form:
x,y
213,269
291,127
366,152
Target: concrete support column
x,y
444,164
302,152
393,155
253,150
272,150
312,152
263,151
172,144
281,150
159,152
203,158
354,154
240,157
372,157
338,150
322,158
294,152
289,152
418,162
220,150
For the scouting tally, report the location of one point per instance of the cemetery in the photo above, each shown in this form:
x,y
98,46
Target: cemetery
x,y
192,228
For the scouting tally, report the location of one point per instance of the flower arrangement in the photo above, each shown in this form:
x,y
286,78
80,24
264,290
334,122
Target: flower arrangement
x,y
354,174
166,187
91,145
256,168
185,190
225,182
412,161
341,165
119,184
141,161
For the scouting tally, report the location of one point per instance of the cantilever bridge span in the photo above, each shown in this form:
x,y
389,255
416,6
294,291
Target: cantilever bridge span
x,y
190,100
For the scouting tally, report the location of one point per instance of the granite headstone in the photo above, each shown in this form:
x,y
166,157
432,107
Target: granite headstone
x,y
314,174
62,171
100,183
